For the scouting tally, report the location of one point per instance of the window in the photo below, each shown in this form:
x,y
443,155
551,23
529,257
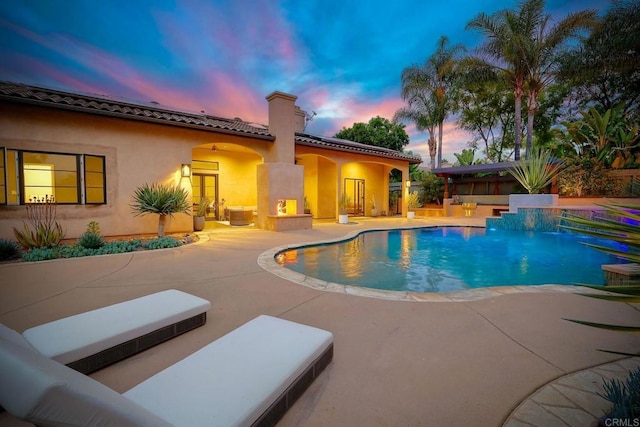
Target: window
x,y
3,179
69,178
94,180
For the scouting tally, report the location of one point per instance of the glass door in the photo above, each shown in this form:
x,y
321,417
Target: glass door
x,y
354,189
206,187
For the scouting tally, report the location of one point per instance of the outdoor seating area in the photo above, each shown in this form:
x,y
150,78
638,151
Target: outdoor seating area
x,y
92,340
250,376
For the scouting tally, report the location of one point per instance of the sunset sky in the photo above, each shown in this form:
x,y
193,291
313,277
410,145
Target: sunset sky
x,y
341,58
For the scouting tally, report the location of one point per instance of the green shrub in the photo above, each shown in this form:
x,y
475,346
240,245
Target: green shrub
x,y
9,250
75,251
588,177
93,227
432,188
162,243
625,397
90,240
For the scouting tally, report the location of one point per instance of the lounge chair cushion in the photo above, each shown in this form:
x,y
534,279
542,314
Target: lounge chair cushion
x,y
44,392
76,337
8,334
234,380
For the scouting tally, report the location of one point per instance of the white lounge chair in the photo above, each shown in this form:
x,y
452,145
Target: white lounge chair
x,y
92,340
250,376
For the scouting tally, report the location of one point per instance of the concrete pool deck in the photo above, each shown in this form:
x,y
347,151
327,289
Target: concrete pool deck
x,y
472,361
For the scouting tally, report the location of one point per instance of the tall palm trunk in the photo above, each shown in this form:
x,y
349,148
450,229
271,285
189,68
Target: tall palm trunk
x,y
440,125
162,219
518,119
532,106
433,148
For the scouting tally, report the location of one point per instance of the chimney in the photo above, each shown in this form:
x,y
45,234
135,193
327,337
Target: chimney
x,y
282,124
301,118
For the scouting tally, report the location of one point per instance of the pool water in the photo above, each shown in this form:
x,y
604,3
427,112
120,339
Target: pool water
x,y
446,259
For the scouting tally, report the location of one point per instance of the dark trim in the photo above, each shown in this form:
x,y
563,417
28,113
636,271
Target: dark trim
x,y
276,411
116,353
104,179
344,145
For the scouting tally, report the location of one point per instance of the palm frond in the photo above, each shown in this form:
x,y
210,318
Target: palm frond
x,y
620,328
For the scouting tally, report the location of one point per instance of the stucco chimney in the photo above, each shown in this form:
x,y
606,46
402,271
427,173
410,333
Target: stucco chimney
x,y
282,124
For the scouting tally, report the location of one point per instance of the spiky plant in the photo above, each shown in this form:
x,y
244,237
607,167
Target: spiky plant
x,y
619,225
537,171
9,250
91,240
343,203
413,200
163,200
42,229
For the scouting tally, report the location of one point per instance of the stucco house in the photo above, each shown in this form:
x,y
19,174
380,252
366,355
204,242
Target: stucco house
x,y
92,152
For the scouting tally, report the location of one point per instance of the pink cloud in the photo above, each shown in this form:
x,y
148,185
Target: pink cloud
x,y
235,100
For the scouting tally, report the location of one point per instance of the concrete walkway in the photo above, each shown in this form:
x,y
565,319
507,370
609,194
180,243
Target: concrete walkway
x,y
471,359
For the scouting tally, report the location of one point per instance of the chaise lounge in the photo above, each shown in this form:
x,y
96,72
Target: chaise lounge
x,y
92,340
249,377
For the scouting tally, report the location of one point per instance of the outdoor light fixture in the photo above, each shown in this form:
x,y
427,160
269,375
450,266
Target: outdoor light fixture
x,y
408,183
185,170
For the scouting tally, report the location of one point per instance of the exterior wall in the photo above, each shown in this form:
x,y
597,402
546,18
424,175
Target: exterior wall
x,y
135,153
334,166
311,178
253,171
327,189
237,175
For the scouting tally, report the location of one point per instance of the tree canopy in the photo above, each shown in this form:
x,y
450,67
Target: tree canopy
x,y
379,132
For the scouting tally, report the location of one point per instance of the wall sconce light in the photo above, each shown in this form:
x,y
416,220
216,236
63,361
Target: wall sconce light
x,y
407,183
185,170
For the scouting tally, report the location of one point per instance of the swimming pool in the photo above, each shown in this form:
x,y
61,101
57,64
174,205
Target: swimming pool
x,y
447,259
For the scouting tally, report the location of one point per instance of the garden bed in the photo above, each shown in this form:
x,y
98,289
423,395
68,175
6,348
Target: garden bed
x,y
69,248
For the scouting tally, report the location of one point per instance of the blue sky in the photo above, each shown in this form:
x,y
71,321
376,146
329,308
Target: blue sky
x,y
341,58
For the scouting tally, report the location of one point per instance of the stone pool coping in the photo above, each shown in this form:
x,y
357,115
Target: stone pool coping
x,y
267,261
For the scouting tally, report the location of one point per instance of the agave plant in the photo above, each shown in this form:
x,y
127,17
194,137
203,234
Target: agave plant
x,y
536,171
413,200
160,199
620,225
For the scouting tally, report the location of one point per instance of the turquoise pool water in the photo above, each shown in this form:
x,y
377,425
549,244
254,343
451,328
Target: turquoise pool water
x,y
446,259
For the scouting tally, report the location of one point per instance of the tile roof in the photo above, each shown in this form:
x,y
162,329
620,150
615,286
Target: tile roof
x,y
106,106
338,144
94,104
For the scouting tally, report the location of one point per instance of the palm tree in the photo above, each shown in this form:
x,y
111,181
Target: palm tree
x,y
521,44
541,49
429,89
421,111
505,31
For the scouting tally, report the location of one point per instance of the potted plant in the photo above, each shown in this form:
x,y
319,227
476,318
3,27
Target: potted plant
x,y
374,209
307,206
343,203
163,200
199,214
413,201
534,173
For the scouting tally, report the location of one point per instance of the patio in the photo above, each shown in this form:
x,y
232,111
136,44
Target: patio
x,y
396,363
